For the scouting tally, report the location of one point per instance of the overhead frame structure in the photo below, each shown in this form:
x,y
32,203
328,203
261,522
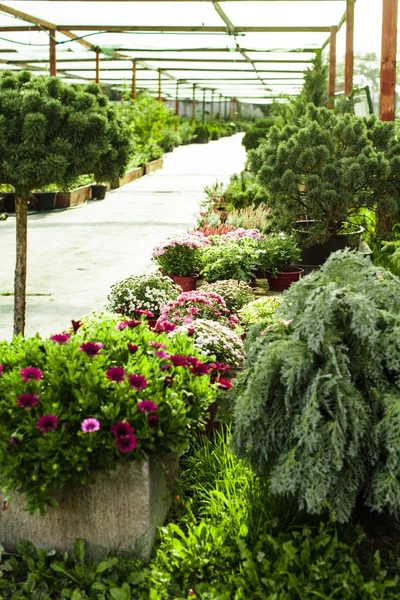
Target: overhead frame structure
x,y
250,50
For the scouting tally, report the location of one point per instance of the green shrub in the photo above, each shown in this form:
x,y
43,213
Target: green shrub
x,y
235,293
232,260
257,132
261,310
201,134
317,407
244,190
251,218
277,252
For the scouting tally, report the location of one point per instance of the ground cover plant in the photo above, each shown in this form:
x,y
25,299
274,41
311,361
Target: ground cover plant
x,y
261,310
235,293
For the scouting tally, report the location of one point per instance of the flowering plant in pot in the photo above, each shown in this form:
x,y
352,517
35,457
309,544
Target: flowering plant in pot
x,y
76,404
149,292
276,253
181,257
235,293
228,259
195,305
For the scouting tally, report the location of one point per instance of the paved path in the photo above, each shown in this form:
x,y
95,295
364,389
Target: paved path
x,y
75,255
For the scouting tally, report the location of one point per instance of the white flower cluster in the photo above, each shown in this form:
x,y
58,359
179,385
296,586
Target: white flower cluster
x,y
214,340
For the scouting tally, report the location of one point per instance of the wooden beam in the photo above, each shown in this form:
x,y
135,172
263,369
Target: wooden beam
x,y
159,85
25,17
332,64
388,60
52,49
190,28
133,89
97,79
349,57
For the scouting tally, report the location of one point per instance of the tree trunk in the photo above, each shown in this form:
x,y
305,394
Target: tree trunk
x,y
21,214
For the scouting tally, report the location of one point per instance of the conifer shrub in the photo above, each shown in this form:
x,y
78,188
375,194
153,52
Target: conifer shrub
x,y
317,407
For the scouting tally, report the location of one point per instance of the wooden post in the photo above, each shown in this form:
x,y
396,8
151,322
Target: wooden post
x,y
332,66
233,109
212,105
203,107
177,99
388,60
220,107
97,80
349,58
159,85
133,91
53,59
194,102
226,110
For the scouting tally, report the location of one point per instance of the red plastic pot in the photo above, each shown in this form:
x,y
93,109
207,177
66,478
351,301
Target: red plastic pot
x,y
284,280
188,284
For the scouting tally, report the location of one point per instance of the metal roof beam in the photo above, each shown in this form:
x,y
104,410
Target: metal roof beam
x,y
190,29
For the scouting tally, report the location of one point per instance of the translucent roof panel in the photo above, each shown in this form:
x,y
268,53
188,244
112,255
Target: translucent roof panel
x,y
287,14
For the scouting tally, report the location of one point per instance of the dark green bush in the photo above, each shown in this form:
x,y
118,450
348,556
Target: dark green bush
x,y
257,133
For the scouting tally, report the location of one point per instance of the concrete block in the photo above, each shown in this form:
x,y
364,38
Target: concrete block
x,y
118,512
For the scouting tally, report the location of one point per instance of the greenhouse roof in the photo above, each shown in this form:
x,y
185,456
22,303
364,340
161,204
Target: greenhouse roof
x,y
249,49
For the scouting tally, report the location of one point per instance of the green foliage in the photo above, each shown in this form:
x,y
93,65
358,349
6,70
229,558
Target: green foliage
x,y
52,132
228,260
389,257
235,293
201,133
327,168
74,386
277,252
261,310
244,190
257,132
315,86
318,402
251,218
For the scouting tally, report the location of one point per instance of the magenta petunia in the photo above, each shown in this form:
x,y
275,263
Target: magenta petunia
x,y
91,348
47,423
137,382
1,370
224,384
121,429
126,443
152,420
76,325
130,323
200,369
31,373
90,425
60,338
27,401
116,374
146,406
157,345
133,348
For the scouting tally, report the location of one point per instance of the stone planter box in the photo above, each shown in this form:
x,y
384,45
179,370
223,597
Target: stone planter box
x,y
154,165
119,512
128,177
74,197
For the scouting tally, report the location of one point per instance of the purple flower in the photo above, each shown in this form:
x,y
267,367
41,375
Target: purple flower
x,y
90,425
146,312
121,429
1,370
124,324
224,384
133,348
76,325
116,374
29,373
27,401
91,348
157,345
152,420
200,369
13,440
60,338
47,423
126,443
161,354
137,382
218,366
166,367
146,406
190,331
179,360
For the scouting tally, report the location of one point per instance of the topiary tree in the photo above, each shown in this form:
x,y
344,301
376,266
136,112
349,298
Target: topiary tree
x,y
317,408
52,132
327,167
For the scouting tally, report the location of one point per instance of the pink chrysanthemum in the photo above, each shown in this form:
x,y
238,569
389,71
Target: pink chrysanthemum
x,y
116,374
27,401
90,425
47,423
31,373
60,338
121,429
91,348
147,406
133,348
137,382
126,443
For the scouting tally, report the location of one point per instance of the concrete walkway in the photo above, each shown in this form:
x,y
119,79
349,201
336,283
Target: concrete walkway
x,y
75,255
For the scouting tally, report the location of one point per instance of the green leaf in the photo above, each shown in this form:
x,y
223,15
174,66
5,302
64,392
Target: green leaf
x,y
107,564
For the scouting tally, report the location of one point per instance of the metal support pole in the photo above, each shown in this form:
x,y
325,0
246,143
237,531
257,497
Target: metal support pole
x,y
53,59
332,66
349,58
388,60
133,91
97,80
203,108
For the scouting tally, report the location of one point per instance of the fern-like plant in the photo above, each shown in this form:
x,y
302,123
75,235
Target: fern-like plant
x,y
317,408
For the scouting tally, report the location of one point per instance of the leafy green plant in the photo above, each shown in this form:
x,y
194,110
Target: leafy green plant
x,y
389,256
181,255
244,190
316,406
262,310
257,132
201,134
229,260
251,218
77,403
277,252
235,293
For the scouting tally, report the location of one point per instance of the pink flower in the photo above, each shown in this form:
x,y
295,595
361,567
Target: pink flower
x,y
194,310
121,429
27,401
146,406
60,338
91,348
218,366
116,374
130,323
76,325
29,373
90,425
47,423
137,382
179,360
161,354
157,345
126,443
224,384
200,369
1,370
133,348
152,420
145,312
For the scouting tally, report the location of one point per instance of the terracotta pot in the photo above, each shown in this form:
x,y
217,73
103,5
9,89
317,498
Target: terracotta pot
x,y
284,280
188,284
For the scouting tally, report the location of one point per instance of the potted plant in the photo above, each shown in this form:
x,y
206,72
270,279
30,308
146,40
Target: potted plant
x,y
149,292
324,170
84,417
235,293
180,256
99,191
277,253
228,259
45,197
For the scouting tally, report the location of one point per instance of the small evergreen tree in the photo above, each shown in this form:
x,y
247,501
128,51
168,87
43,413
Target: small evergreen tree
x,y
317,408
52,132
